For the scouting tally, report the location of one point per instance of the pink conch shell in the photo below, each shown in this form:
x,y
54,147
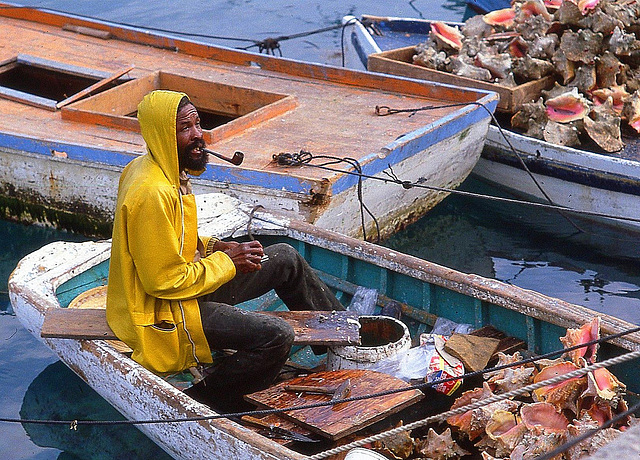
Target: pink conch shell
x,y
543,416
631,111
447,34
587,5
535,8
552,4
604,386
562,395
565,68
608,67
463,421
506,431
503,17
567,107
474,422
603,127
439,446
398,446
561,133
584,334
518,47
512,379
599,414
582,46
592,443
585,78
618,95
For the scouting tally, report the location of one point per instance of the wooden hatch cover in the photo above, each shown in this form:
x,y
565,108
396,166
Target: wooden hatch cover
x,y
335,422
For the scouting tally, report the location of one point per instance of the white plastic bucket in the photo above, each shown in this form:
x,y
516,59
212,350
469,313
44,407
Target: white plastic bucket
x,y
380,337
360,453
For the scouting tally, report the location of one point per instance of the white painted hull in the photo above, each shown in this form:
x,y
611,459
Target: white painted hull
x,y
90,188
576,179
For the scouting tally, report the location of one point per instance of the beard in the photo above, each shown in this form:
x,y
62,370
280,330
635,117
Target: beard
x,y
193,158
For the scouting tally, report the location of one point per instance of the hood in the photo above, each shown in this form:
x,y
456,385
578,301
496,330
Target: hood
x,y
157,116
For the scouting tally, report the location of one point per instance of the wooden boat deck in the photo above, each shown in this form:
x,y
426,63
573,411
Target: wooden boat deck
x,y
308,106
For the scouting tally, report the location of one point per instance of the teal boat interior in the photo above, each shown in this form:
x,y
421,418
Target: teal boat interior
x,y
421,302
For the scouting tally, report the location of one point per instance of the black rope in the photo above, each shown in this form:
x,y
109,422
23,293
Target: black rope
x,y
271,44
304,158
268,45
344,26
421,386
419,184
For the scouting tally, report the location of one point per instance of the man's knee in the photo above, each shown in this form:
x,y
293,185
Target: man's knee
x,y
278,333
284,253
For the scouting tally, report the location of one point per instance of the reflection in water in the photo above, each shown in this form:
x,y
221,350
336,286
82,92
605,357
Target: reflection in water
x,y
58,394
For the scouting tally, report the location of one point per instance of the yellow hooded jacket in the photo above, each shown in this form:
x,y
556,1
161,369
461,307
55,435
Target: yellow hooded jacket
x,y
152,276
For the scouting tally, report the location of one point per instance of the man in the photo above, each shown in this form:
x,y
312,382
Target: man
x,y
171,293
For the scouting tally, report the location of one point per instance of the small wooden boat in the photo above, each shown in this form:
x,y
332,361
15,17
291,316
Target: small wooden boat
x,y
47,280
597,183
69,89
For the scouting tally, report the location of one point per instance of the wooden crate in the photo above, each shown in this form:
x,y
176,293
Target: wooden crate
x,y
400,62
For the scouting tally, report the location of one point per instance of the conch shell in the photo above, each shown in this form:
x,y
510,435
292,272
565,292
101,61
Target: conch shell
x,y
439,446
562,395
446,35
567,107
584,334
543,416
503,17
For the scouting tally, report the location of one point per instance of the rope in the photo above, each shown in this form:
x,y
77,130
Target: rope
x,y
476,405
344,26
271,44
390,111
419,184
289,159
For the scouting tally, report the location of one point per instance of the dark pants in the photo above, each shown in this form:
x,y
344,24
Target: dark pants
x,y
262,342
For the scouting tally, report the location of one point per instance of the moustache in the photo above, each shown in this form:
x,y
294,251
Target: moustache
x,y
198,144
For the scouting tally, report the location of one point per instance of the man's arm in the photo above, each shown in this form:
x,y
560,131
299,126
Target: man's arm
x,y
154,245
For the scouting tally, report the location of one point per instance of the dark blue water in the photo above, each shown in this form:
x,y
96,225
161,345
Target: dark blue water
x,y
531,249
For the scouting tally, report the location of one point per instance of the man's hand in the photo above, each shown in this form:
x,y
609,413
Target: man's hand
x,y
245,256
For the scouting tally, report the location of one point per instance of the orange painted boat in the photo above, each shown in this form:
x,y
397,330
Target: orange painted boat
x,y
69,88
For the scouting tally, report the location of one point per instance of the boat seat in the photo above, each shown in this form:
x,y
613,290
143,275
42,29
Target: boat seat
x,y
336,328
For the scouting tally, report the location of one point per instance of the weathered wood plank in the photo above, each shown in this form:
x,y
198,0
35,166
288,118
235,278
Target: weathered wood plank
x,y
335,422
400,62
311,328
96,86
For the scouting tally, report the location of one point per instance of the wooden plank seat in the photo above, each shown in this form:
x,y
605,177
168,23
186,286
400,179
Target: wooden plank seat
x,y
336,328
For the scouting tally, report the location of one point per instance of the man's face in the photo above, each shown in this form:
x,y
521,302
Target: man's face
x,y
190,141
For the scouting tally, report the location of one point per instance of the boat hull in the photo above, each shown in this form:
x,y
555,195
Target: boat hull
x,y
576,179
81,194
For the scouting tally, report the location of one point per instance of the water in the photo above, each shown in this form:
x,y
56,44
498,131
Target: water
x,y
527,248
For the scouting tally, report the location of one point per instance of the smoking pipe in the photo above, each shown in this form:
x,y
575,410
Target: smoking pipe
x,y
236,159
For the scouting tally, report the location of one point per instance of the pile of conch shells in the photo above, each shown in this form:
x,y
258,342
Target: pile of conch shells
x,y
589,47
534,424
